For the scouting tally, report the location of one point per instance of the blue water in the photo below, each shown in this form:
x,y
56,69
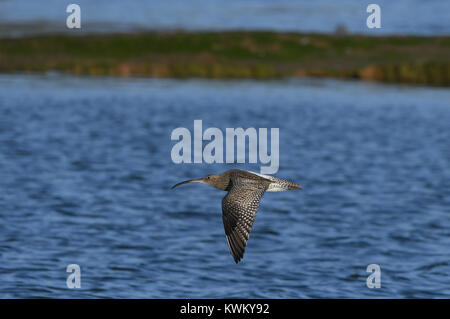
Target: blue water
x,y
85,177
428,17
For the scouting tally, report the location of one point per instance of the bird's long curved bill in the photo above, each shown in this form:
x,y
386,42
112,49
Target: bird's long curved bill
x,y
189,181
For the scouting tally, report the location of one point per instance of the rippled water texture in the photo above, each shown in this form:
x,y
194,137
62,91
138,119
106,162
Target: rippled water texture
x,y
85,177
428,17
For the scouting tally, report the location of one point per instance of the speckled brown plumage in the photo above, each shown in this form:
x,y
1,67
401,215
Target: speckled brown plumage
x,y
239,206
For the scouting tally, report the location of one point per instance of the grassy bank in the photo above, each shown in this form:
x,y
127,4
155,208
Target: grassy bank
x,y
261,55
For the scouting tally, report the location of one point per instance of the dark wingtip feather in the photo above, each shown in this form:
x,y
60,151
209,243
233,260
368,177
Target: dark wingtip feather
x,y
236,251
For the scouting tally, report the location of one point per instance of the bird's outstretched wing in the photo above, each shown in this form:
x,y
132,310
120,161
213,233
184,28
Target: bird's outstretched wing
x,y
239,209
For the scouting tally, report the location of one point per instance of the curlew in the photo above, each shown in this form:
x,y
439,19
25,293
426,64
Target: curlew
x,y
239,206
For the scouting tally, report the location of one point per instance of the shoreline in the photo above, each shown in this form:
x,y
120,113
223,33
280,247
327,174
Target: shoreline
x,y
234,55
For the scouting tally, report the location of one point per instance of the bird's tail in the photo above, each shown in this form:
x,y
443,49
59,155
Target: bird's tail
x,y
293,186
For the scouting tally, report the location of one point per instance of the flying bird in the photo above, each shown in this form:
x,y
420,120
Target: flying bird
x,y
239,206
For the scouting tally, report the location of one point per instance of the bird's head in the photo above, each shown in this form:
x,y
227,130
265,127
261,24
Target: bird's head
x,y
217,181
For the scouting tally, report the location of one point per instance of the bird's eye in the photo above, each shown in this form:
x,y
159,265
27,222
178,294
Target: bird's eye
x,y
207,177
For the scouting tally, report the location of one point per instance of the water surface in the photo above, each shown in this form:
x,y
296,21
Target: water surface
x,y
400,16
85,177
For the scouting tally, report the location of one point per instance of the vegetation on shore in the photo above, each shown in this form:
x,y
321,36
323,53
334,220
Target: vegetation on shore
x,y
238,54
